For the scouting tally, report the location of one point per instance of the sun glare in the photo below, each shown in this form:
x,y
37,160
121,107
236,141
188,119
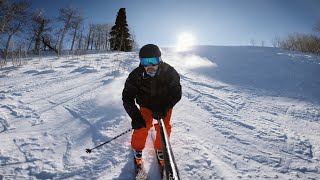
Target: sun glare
x,y
185,41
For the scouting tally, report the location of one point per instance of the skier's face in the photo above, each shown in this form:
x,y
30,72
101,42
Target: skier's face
x,y
151,68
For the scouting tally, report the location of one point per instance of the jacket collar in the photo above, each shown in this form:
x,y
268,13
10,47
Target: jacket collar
x,y
144,73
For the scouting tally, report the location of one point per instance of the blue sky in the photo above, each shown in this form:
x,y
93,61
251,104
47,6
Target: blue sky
x,y
211,22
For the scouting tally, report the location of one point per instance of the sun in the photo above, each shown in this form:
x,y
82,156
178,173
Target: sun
x,y
185,41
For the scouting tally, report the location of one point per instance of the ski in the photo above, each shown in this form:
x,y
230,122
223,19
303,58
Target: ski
x,y
160,162
139,170
161,166
140,173
168,168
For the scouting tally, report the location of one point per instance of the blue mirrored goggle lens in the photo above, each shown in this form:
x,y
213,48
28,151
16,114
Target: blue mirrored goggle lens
x,y
149,61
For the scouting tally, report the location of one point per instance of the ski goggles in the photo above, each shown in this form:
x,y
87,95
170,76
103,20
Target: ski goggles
x,y
150,61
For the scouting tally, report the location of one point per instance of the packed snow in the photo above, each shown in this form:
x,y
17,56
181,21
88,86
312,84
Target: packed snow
x,y
246,113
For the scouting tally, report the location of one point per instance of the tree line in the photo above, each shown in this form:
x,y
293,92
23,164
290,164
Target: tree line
x,y
309,43
304,42
22,30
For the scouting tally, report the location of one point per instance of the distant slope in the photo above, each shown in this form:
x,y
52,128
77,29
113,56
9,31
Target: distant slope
x,y
280,72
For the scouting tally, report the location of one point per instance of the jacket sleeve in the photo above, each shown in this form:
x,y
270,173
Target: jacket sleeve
x,y
175,91
129,94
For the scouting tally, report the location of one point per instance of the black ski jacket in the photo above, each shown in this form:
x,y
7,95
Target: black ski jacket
x,y
157,93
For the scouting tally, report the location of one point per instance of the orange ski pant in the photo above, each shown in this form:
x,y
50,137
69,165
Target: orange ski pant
x,y
139,136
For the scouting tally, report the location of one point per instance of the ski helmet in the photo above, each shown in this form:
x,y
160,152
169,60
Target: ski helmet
x,y
149,50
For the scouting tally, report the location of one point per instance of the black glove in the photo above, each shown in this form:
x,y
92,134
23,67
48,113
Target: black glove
x,y
138,123
160,113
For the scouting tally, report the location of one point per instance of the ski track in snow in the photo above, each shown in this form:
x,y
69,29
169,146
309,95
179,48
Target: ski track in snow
x,y
238,135
261,139
51,110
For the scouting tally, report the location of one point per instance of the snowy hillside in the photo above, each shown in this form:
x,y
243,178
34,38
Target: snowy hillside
x,y
246,113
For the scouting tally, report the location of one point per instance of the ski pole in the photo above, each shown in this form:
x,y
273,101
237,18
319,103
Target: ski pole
x,y
170,165
89,150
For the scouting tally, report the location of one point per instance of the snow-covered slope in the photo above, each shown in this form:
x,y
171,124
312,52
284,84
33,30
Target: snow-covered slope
x,y
246,113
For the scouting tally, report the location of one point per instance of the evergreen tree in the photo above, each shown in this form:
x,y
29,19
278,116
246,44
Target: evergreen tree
x,y
120,37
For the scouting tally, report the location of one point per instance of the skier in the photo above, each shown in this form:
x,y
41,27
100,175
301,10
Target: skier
x,y
155,87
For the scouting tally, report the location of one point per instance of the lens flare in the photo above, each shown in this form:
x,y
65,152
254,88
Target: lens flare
x,y
185,41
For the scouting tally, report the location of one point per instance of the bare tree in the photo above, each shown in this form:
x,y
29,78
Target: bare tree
x,y
40,26
107,29
89,36
92,36
9,12
80,39
252,42
11,31
49,41
6,14
316,27
15,24
135,45
66,15
276,41
262,43
98,36
75,25
302,42
103,31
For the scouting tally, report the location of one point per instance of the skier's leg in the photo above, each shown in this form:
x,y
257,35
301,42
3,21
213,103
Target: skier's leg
x,y
139,136
167,125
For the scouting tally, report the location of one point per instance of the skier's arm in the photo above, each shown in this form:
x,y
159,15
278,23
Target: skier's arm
x,y
129,94
174,89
